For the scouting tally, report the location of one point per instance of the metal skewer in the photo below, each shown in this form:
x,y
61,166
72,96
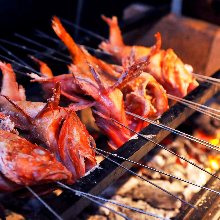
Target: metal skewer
x,y
170,151
23,47
77,192
42,46
175,131
100,204
17,71
91,33
80,4
198,107
193,103
20,65
44,203
16,58
42,34
145,179
208,79
158,171
48,37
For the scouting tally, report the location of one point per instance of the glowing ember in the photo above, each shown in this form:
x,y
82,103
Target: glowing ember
x,y
214,162
57,192
215,140
214,159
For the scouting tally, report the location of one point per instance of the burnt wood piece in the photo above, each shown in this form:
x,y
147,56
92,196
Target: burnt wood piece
x,y
208,10
196,42
206,202
69,205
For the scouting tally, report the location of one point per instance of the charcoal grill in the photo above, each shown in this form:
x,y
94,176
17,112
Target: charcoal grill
x,y
134,149
69,206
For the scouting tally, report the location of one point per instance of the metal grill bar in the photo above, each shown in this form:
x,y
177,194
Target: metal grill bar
x,y
207,203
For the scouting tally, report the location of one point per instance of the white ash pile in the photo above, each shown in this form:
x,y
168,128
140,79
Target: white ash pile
x,y
140,194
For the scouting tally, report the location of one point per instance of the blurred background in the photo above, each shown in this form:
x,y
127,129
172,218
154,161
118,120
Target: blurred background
x,y
22,15
193,21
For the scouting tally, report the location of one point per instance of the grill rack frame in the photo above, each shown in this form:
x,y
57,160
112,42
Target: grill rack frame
x,y
69,205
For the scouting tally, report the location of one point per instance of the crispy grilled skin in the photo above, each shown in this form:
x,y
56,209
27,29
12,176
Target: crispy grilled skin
x,y
164,65
56,127
25,163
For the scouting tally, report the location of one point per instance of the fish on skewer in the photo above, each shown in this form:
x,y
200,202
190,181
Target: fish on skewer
x,y
97,81
143,95
91,78
145,101
6,185
116,46
58,128
146,97
80,57
69,89
166,67
149,96
23,163
108,103
28,164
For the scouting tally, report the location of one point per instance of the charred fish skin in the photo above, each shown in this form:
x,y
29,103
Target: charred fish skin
x,y
25,163
52,126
